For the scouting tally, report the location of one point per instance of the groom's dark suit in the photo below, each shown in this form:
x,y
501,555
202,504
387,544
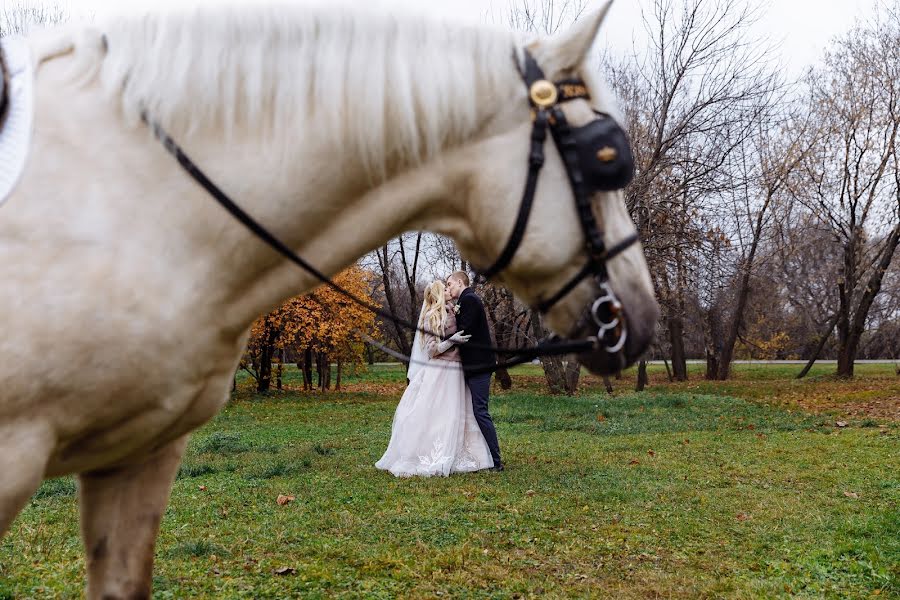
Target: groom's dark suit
x,y
472,320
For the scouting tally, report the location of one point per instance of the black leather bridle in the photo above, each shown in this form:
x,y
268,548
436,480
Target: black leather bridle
x,y
4,87
597,157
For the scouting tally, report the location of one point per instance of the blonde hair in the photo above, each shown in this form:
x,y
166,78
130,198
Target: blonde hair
x,y
434,309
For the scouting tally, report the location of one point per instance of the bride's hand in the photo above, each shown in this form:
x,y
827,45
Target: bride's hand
x,y
459,338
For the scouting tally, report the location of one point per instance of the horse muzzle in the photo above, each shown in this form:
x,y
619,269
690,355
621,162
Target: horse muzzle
x,y
623,330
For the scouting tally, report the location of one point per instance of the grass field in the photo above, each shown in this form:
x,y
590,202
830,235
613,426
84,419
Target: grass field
x,y
740,489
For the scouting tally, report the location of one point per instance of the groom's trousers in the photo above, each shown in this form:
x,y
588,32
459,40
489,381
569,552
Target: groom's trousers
x,y
480,386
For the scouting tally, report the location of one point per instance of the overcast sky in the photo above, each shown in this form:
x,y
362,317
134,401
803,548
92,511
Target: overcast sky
x,y
801,27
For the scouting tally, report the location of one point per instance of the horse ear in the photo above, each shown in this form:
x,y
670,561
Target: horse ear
x,y
566,51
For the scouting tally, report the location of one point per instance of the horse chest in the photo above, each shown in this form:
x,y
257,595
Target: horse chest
x,y
150,390
134,425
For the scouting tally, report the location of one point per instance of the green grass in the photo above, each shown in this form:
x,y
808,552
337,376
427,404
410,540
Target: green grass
x,y
673,493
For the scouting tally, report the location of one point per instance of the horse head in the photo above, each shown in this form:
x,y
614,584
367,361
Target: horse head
x,y
573,251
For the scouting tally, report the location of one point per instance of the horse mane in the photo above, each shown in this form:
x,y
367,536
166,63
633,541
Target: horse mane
x,y
391,86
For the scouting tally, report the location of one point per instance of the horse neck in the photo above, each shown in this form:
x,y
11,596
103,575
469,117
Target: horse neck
x,y
338,215
307,188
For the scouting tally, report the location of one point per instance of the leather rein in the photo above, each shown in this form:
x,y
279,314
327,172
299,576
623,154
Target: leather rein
x,y
4,87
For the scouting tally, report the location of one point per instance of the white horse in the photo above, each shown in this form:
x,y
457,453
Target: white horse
x,y
128,293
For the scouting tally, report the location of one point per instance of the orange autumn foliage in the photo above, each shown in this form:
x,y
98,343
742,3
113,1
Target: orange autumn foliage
x,y
322,321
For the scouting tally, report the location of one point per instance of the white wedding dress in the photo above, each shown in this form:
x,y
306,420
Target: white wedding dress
x,y
434,430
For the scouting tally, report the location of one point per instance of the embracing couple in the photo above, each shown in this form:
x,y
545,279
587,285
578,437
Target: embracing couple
x,y
442,424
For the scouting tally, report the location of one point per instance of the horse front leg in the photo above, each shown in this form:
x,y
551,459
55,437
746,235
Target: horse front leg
x,y
121,510
24,451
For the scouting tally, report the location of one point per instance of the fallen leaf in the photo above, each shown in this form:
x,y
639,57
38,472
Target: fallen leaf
x,y
282,499
761,435
742,516
851,494
202,488
285,571
651,453
751,427
635,462
530,493
841,423
601,417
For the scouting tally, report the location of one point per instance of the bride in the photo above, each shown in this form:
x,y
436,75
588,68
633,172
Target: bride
x,y
434,430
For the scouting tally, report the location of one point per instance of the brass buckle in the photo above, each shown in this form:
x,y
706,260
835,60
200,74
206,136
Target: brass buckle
x,y
543,93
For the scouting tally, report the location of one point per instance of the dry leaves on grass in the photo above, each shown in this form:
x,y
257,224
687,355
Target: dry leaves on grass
x,y
282,499
392,389
285,571
851,494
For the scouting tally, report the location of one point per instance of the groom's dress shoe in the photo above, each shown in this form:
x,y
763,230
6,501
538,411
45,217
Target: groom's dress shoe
x,y
497,468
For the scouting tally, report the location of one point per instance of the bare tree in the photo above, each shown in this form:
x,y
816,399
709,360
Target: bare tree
x,y
851,180
690,101
765,166
542,16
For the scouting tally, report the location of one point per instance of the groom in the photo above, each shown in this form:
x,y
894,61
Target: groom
x,y
471,319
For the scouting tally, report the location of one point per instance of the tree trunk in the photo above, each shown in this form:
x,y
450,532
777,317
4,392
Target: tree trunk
x,y
504,378
668,370
743,292
712,364
307,369
320,374
264,382
265,370
337,381
403,344
279,370
850,331
554,372
676,339
819,345
641,376
573,374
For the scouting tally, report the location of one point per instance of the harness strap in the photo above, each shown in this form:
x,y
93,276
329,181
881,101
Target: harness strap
x,y
535,162
568,149
4,86
587,269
